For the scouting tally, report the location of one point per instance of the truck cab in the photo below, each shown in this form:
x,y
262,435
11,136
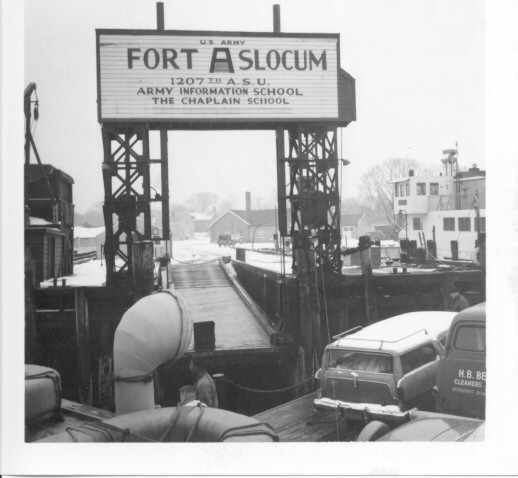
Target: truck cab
x,y
461,378
224,240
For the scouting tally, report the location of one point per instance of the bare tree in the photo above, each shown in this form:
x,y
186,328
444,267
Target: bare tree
x,y
92,217
202,202
354,205
377,189
227,203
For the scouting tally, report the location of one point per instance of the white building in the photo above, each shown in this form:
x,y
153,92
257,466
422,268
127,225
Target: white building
x,y
89,239
447,207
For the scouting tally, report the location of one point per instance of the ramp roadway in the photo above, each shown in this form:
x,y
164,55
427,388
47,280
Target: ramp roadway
x,y
211,295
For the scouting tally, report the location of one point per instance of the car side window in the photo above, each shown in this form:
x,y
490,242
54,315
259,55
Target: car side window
x,y
417,358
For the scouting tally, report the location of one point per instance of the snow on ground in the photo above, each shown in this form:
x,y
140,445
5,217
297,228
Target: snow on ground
x,y
38,221
88,232
90,273
200,250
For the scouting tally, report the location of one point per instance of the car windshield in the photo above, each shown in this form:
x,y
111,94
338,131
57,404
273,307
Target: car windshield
x,y
360,361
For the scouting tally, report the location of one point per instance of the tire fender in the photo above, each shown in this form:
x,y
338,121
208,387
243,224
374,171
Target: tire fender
x,y
373,430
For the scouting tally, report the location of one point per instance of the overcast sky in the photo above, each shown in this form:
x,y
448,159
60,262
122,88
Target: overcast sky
x,y
418,65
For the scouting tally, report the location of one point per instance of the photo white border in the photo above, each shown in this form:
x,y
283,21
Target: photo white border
x,y
495,456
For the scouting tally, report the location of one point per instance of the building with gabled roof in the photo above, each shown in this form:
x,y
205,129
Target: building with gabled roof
x,y
191,224
252,226
355,225
89,239
257,225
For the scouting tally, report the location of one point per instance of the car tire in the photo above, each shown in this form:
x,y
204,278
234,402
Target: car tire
x,y
372,431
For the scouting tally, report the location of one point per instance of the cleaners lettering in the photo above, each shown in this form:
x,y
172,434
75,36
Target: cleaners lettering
x,y
470,378
223,61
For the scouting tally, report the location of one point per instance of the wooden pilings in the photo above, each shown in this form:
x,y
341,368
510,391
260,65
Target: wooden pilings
x,y
310,335
30,312
83,346
143,268
371,308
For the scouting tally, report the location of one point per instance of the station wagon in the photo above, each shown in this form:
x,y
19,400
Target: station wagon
x,y
385,369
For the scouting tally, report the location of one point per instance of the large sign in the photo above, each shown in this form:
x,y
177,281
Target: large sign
x,y
162,76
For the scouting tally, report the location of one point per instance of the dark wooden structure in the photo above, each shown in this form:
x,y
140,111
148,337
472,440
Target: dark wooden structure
x,y
49,235
48,200
343,300
74,328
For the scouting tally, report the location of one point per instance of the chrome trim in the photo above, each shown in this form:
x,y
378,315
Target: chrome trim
x,y
369,411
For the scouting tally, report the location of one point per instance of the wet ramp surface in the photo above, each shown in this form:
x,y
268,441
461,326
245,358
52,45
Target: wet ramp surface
x,y
211,297
189,276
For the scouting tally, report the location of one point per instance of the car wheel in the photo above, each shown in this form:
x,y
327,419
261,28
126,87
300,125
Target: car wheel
x,y
372,431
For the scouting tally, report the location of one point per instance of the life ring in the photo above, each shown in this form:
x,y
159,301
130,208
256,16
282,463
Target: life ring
x,y
171,424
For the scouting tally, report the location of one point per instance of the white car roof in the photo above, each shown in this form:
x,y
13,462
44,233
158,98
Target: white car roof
x,y
398,333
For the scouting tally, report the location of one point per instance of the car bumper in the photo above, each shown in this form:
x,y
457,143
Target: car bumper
x,y
364,411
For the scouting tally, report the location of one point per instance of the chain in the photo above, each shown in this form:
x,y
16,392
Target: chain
x,y
256,390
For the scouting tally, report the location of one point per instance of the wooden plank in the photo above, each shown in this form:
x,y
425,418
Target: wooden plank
x,y
83,346
298,421
235,325
288,412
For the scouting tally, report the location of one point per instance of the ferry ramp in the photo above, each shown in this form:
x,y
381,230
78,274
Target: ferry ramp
x,y
213,294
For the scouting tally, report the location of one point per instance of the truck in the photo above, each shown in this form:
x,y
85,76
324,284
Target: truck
x,y
224,240
461,378
228,240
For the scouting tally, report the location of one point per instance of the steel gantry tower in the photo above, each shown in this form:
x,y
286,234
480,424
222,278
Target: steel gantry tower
x,y
128,198
314,192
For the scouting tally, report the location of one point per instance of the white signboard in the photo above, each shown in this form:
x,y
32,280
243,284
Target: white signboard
x,y
202,76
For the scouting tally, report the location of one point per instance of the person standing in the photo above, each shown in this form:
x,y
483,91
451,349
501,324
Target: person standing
x,y
204,387
457,301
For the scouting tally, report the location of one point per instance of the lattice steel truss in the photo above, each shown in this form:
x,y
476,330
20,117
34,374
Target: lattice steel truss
x,y
127,198
313,191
